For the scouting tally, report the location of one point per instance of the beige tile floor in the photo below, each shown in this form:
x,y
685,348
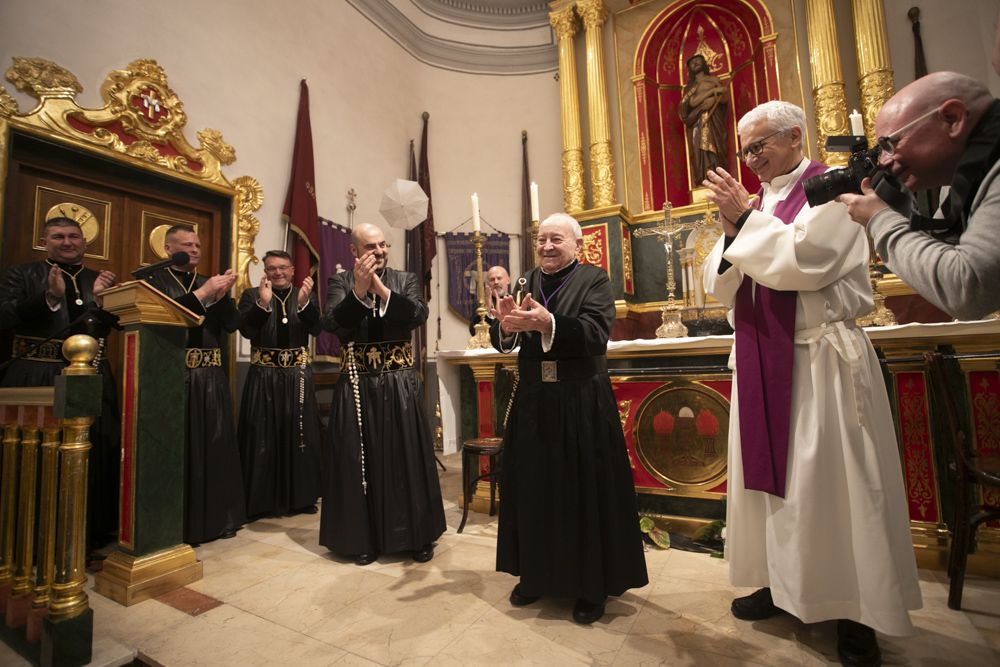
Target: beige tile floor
x,y
285,601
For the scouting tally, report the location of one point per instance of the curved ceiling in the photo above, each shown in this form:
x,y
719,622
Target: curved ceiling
x,y
501,37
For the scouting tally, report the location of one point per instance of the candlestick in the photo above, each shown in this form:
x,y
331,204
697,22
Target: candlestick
x,y
857,125
475,212
534,201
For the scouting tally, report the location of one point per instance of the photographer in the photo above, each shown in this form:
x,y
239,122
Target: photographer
x,y
941,129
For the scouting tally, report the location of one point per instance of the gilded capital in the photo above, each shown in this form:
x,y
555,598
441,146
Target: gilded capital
x,y
602,168
593,13
573,192
563,23
830,105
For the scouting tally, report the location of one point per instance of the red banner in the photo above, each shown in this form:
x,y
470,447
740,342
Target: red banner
x,y
300,211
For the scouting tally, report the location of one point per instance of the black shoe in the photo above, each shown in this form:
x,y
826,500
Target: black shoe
x,y
425,554
755,607
310,509
585,612
519,599
228,535
364,559
857,645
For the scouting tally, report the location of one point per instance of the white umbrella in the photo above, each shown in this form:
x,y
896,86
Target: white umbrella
x,y
404,204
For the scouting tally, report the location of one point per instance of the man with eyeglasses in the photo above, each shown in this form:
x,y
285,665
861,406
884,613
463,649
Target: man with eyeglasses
x,y
381,493
942,129
816,511
279,430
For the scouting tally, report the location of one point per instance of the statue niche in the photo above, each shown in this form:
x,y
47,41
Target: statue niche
x,y
699,66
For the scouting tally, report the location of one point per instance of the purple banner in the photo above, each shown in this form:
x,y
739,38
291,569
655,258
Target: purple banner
x,y
462,267
334,256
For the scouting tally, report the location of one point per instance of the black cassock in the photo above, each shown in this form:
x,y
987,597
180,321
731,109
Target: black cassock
x,y
568,523
402,510
279,422
24,312
213,482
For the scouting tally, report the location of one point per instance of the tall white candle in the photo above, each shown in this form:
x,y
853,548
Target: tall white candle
x,y
534,201
857,125
475,212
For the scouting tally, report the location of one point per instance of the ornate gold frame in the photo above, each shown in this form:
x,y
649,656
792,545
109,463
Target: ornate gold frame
x,y
138,103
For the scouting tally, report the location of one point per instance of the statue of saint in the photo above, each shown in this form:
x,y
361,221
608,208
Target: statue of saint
x,y
703,110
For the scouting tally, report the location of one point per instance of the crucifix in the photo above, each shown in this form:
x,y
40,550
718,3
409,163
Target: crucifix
x,y
668,230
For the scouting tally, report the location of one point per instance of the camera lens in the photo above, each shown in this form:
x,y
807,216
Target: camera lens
x,y
827,186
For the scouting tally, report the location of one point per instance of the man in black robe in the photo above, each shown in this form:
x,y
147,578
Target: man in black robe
x,y
568,523
213,483
42,303
381,493
497,286
279,422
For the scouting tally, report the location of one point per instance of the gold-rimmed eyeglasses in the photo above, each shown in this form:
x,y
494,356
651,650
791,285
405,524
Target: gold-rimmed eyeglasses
x,y
757,147
888,142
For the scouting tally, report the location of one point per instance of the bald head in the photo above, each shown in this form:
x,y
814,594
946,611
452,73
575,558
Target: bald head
x,y
935,89
928,123
368,239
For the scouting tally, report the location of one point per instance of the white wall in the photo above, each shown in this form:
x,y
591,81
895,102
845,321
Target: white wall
x,y
236,66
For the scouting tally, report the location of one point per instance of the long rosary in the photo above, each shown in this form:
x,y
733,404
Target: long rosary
x,y
72,279
187,290
352,373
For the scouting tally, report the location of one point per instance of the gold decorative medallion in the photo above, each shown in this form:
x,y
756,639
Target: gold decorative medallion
x,y
79,213
681,435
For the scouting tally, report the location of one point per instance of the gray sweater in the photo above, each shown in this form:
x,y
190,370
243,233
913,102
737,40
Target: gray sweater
x,y
961,277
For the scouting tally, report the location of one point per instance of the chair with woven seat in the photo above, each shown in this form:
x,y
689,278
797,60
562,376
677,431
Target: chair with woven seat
x,y
472,450
968,471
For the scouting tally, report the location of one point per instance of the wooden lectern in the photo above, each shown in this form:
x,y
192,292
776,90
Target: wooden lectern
x,y
151,557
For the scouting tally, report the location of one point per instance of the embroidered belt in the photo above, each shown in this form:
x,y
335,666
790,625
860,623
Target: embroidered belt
x,y
202,357
27,347
380,357
276,357
557,370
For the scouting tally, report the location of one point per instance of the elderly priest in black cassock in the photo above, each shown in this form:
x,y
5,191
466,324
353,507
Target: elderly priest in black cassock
x,y
58,297
381,494
214,504
279,423
568,521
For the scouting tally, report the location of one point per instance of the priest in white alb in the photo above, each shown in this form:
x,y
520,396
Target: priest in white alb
x,y
817,515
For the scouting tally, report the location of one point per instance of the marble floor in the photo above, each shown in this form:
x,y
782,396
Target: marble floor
x,y
273,596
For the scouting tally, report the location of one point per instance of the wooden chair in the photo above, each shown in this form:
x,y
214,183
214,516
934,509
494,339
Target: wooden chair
x,y
969,471
472,450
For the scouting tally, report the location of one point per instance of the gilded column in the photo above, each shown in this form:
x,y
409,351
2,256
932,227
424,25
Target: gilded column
x,y
564,24
68,597
874,67
602,165
829,99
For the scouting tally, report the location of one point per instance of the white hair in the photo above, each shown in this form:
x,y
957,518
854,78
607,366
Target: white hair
x,y
780,116
565,219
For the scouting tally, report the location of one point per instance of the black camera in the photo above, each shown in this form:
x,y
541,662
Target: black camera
x,y
863,163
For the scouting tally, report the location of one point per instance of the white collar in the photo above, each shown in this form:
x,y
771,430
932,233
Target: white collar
x,y
785,181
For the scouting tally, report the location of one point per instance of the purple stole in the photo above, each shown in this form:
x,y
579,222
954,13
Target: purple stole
x,y
765,342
